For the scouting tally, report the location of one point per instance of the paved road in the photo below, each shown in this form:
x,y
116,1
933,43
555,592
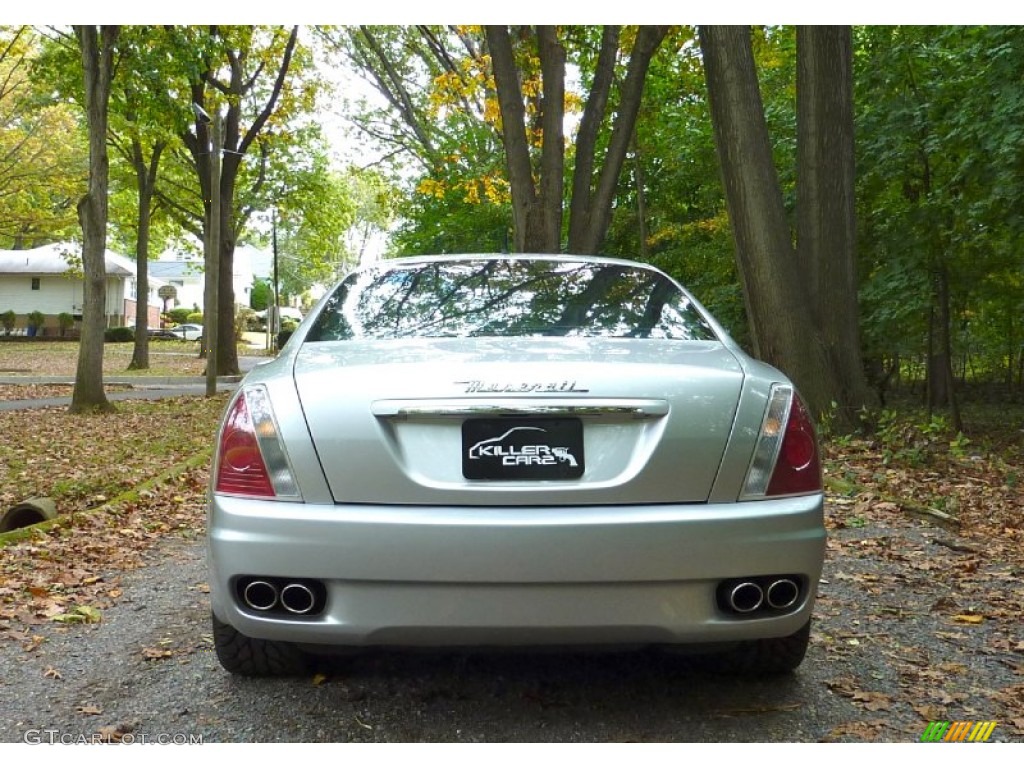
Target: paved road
x,y
143,387
388,697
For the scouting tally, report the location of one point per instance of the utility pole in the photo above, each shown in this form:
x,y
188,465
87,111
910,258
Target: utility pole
x,y
277,300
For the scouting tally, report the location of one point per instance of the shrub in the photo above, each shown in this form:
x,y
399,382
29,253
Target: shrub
x,y
7,319
179,315
65,321
36,318
119,335
195,317
244,317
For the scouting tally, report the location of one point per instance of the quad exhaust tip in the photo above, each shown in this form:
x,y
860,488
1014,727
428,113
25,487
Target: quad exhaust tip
x,y
782,593
298,598
746,597
260,595
277,596
752,596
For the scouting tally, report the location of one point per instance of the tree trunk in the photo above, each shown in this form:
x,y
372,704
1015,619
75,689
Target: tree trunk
x,y
591,217
552,157
782,325
641,202
96,47
227,348
145,175
530,229
941,389
826,218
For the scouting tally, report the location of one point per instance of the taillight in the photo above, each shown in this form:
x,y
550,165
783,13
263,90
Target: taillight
x,y
785,459
251,460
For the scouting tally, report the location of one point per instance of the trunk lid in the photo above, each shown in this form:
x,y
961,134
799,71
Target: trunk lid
x,y
566,421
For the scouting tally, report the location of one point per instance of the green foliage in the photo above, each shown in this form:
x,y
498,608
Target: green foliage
x,y
41,179
918,440
65,321
36,319
939,158
119,335
262,294
194,317
8,319
179,315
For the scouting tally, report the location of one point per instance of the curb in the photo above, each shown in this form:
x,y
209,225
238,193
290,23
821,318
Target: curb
x,y
20,534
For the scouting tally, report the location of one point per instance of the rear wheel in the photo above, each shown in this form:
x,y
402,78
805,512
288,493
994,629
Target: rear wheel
x,y
244,655
770,655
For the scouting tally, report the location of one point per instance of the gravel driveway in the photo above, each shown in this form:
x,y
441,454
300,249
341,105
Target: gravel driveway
x,y
884,661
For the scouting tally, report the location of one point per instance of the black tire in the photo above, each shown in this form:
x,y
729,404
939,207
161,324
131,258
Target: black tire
x,y
769,656
250,656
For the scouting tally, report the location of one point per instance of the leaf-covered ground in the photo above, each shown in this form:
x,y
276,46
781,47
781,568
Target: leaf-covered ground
x,y
921,607
58,358
919,611
101,470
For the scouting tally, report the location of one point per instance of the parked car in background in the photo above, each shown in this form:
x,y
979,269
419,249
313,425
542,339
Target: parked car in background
x,y
516,450
161,333
187,332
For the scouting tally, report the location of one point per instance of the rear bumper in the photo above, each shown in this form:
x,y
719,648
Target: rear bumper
x,y
455,576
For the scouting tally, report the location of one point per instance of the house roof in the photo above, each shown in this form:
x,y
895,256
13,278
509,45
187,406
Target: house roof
x,y
58,258
178,269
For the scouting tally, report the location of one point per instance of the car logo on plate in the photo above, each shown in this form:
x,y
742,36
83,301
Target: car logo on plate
x,y
535,454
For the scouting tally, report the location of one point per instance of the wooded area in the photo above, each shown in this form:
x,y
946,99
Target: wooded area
x,y
858,185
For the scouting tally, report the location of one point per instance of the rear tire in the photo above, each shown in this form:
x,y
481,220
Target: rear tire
x,y
250,656
770,655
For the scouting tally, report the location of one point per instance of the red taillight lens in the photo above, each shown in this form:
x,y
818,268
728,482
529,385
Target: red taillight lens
x,y
798,468
240,468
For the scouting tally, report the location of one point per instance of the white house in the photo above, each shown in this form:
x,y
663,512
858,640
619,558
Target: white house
x,y
45,280
186,274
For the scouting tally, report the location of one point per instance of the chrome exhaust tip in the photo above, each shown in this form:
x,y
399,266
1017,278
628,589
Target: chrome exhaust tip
x,y
260,595
746,597
782,593
298,598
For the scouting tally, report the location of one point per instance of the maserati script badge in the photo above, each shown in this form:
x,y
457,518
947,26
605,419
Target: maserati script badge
x,y
475,386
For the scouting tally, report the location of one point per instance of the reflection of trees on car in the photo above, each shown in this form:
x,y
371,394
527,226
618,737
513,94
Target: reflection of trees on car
x,y
509,298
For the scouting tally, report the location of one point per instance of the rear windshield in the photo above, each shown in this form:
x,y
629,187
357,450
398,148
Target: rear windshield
x,y
508,297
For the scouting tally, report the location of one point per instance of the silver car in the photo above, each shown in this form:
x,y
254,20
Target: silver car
x,y
513,451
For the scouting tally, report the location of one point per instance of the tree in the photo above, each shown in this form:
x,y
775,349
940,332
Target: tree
x,y
939,188
41,176
145,118
826,212
782,324
537,207
97,48
456,93
233,64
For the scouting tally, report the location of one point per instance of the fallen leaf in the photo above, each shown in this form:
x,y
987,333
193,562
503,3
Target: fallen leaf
x,y
872,701
319,678
156,653
53,674
89,709
968,618
930,712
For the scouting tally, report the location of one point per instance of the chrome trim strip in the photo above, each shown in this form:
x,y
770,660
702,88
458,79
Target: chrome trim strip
x,y
459,409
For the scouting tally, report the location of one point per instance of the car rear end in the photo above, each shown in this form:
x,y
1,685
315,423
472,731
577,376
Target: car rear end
x,y
547,487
